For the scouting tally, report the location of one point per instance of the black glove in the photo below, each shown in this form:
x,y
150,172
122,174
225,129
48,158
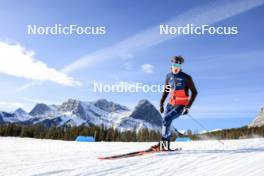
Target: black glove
x,y
185,110
161,108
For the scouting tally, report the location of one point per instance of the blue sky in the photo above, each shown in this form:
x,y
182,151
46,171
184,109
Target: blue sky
x,y
227,69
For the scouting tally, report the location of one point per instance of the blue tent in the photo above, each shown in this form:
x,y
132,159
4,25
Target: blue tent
x,y
183,139
85,139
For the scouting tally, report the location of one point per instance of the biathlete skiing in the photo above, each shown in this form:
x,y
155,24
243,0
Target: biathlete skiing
x,y
178,84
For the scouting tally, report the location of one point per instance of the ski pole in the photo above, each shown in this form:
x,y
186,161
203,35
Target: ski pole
x,y
202,126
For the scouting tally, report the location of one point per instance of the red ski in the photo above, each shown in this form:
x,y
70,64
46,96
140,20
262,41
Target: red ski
x,y
137,153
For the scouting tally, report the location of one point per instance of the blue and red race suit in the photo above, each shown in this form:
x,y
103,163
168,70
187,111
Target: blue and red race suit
x,y
178,86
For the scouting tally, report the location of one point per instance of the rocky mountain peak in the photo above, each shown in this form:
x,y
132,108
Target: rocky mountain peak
x,y
20,111
39,109
70,105
146,111
109,106
259,120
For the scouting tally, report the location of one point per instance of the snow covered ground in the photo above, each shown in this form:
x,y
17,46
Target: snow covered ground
x,y
24,156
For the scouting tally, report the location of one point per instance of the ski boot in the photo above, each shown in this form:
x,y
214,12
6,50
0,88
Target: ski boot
x,y
163,145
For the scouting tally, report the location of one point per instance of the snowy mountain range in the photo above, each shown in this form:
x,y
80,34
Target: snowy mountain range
x,y
101,112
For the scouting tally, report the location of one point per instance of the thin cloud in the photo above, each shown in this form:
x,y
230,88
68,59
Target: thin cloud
x,y
25,86
206,14
126,56
147,68
10,105
128,66
32,100
16,61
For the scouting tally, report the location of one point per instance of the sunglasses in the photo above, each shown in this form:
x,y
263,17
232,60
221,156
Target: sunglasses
x,y
176,64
